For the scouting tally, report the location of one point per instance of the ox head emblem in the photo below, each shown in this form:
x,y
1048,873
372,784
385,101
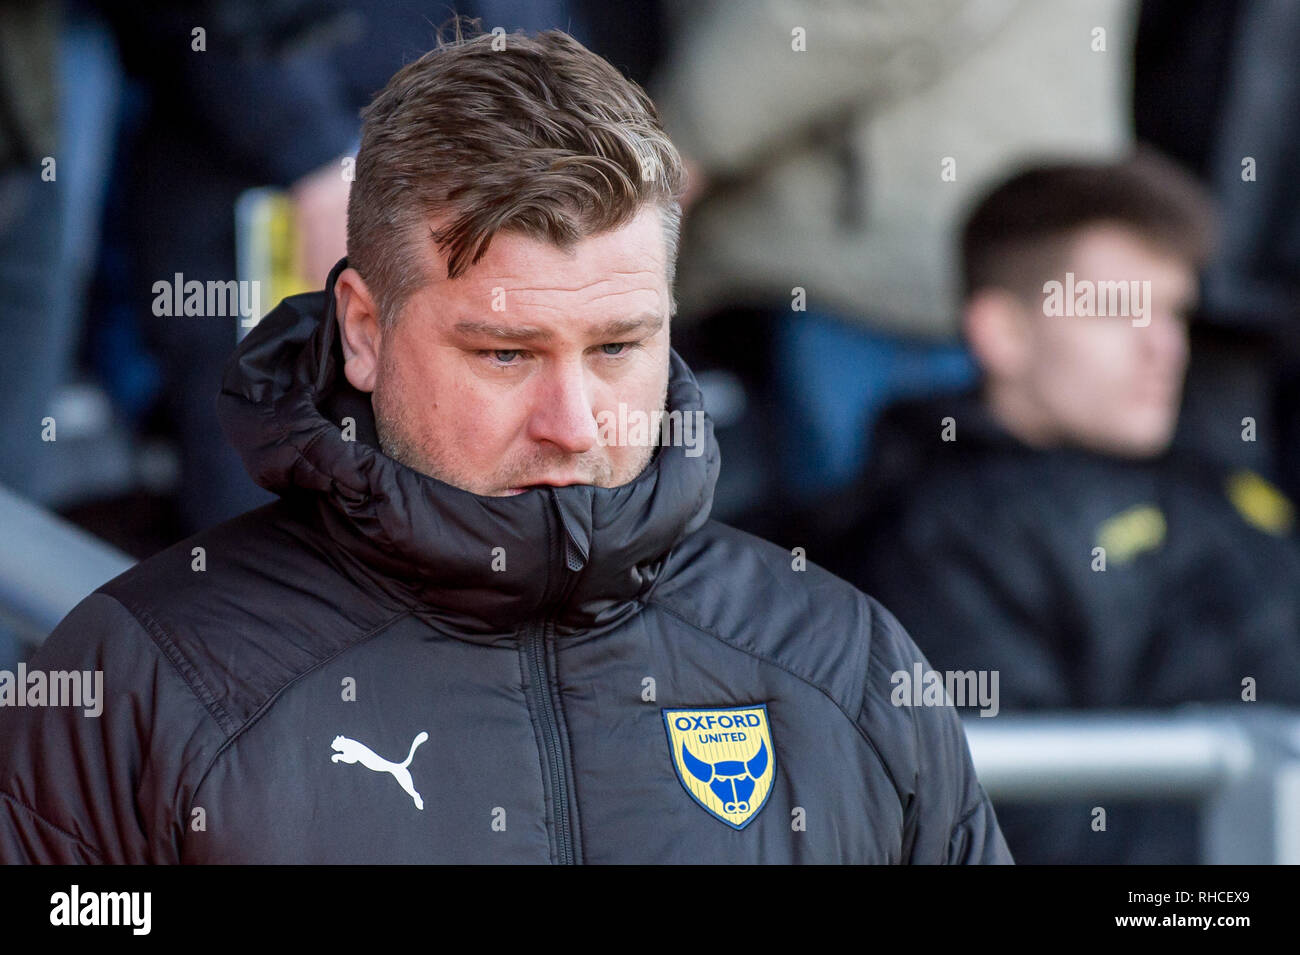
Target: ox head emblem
x,y
731,780
724,759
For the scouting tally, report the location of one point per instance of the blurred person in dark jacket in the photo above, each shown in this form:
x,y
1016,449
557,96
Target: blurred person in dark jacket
x,y
1040,525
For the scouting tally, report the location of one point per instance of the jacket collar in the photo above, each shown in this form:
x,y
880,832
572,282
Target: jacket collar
x,y
582,556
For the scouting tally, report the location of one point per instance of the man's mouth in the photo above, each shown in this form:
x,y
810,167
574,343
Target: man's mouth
x,y
540,485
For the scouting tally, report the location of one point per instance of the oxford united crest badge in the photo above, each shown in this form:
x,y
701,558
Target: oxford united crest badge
x,y
724,759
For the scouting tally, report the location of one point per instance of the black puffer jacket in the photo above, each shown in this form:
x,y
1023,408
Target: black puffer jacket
x,y
379,667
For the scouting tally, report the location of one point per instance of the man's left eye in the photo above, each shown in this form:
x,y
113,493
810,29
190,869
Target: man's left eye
x,y
614,348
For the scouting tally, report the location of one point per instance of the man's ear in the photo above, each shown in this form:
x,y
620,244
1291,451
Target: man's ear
x,y
997,326
359,329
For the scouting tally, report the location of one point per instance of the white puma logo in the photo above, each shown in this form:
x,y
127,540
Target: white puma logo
x,y
350,751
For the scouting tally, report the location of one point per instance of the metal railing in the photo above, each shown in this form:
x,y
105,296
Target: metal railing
x,y
1240,761
48,565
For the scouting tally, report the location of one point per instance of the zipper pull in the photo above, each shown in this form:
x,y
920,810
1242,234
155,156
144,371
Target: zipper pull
x,y
573,558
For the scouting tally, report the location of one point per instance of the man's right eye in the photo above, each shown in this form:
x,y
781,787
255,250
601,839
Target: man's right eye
x,y
505,356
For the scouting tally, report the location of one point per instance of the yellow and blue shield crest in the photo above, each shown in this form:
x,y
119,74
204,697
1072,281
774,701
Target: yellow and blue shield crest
x,y
724,758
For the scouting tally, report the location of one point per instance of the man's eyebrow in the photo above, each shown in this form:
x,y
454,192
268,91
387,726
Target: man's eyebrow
x,y
647,323
512,333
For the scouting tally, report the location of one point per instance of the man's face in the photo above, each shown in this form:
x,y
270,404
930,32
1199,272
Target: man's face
x,y
1100,381
493,381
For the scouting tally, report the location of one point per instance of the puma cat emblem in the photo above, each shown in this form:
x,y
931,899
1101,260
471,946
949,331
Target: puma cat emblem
x,y
350,751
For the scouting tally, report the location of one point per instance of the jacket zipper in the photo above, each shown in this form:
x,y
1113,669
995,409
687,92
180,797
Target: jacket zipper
x,y
556,763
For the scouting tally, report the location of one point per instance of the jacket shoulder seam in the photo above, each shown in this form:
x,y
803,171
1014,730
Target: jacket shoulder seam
x,y
878,627
186,671
798,676
99,856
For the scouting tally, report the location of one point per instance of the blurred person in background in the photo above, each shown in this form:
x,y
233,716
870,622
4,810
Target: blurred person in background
x,y
833,146
1040,525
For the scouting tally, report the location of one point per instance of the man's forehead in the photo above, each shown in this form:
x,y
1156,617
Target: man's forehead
x,y
614,279
632,303
552,282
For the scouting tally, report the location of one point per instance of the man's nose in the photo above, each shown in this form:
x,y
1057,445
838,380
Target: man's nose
x,y
562,411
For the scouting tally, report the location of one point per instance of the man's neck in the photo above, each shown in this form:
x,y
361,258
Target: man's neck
x,y
1019,415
